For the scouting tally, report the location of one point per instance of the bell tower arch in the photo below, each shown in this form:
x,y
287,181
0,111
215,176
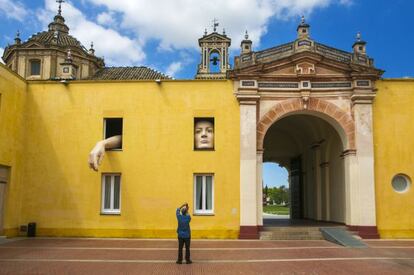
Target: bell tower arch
x,y
214,48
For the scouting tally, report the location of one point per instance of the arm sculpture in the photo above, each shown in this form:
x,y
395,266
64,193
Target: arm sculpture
x,y
98,152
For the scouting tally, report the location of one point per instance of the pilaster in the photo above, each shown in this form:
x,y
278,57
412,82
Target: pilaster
x,y
259,190
249,228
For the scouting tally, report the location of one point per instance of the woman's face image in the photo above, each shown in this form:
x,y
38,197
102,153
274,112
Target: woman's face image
x,y
204,135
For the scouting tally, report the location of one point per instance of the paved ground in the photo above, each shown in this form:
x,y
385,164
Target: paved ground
x,y
135,256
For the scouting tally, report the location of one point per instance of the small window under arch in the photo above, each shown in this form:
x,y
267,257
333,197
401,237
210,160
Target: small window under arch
x,y
35,67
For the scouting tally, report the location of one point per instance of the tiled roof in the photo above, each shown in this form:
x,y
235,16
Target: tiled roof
x,y
63,40
128,73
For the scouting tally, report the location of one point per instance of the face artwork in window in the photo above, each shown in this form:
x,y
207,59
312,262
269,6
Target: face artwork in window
x,y
203,134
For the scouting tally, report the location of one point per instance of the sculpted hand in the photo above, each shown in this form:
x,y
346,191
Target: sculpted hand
x,y
98,152
96,155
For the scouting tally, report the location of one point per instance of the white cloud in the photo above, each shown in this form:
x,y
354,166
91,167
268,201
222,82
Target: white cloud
x,y
174,25
106,18
173,68
1,54
13,9
179,23
117,49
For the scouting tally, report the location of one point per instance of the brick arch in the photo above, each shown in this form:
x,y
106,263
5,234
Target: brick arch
x,y
344,120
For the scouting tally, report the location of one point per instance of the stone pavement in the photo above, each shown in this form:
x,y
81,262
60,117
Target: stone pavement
x,y
137,256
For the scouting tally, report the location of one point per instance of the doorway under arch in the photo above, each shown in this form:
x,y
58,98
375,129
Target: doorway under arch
x,y
276,193
311,149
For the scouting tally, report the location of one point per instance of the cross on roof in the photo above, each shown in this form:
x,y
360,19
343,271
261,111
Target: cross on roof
x,y
215,24
60,5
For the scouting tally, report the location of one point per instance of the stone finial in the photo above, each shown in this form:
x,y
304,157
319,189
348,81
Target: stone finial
x,y
17,39
246,35
205,31
302,20
224,31
69,56
358,36
91,49
58,22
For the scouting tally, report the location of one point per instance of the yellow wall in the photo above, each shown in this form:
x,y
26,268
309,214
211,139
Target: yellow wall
x,y
394,154
12,100
48,128
63,196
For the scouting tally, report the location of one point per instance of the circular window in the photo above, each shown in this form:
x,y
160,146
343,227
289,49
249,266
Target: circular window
x,y
400,183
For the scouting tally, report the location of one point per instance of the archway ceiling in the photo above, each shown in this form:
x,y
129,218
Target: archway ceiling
x,y
292,135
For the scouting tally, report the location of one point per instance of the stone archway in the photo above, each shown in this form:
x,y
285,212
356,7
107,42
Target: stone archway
x,y
311,149
339,119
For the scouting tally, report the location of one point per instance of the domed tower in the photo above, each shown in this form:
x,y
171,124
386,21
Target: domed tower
x,y
52,54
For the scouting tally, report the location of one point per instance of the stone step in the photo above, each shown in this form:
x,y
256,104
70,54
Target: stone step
x,y
291,233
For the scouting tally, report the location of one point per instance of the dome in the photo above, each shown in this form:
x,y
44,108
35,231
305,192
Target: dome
x,y
57,35
56,38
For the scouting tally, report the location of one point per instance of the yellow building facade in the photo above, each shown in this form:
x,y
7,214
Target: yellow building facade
x,y
343,133
48,128
157,162
393,143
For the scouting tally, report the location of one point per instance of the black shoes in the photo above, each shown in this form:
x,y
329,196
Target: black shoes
x,y
178,262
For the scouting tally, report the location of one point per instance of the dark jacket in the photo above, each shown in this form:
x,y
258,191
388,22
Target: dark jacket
x,y
183,228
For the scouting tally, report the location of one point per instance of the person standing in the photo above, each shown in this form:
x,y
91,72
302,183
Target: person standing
x,y
184,233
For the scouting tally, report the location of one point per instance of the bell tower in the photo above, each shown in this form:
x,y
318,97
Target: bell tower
x,y
214,54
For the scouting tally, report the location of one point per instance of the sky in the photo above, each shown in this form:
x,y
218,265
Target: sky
x,y
163,34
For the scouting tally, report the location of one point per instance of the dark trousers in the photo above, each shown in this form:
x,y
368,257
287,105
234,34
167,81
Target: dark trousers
x,y
181,242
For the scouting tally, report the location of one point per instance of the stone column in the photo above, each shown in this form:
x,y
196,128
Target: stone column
x,y
318,184
325,179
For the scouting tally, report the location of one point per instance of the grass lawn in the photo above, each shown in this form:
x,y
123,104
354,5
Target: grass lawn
x,y
276,209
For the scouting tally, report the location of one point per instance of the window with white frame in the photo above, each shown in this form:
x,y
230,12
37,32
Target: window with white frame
x,y
203,193
111,194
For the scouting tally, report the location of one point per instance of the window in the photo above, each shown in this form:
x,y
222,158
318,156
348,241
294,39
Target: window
x,y
203,194
35,67
111,194
400,183
113,127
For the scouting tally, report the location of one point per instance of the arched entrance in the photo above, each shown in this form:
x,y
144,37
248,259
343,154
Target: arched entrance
x,y
311,150
331,89
315,141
